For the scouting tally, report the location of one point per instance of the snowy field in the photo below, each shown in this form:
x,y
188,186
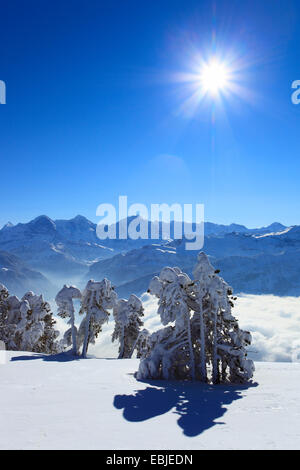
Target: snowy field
x,y
97,404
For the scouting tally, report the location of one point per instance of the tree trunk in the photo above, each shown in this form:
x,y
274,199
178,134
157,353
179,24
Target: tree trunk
x,y
86,337
224,367
192,360
74,338
134,346
203,371
121,353
215,356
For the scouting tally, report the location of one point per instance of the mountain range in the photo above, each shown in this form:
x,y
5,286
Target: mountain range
x,y
19,278
46,253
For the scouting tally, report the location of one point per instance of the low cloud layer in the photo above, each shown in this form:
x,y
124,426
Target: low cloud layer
x,y
273,321
275,326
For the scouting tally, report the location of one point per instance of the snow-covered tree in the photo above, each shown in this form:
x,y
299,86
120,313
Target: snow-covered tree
x,y
36,326
225,341
127,315
172,354
3,295
202,334
97,299
64,301
198,298
142,343
27,324
9,317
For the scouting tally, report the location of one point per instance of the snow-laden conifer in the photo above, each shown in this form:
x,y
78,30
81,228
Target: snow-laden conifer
x,y
171,349
9,317
65,302
97,299
142,343
36,325
225,341
127,315
3,294
27,324
202,335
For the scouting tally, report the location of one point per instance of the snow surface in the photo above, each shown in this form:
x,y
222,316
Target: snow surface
x,y
49,403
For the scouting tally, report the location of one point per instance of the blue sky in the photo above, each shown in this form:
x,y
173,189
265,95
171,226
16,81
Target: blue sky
x,y
94,110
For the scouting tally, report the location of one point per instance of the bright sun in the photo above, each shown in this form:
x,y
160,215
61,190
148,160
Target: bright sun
x,y
214,77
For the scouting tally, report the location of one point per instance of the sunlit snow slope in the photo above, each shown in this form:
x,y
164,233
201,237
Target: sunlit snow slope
x,y
97,403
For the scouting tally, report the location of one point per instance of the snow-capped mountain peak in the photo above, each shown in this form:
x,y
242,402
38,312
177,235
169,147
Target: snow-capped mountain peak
x,y
42,224
7,225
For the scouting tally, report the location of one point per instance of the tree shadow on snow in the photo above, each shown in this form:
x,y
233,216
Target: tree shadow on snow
x,y
65,356
61,357
198,405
